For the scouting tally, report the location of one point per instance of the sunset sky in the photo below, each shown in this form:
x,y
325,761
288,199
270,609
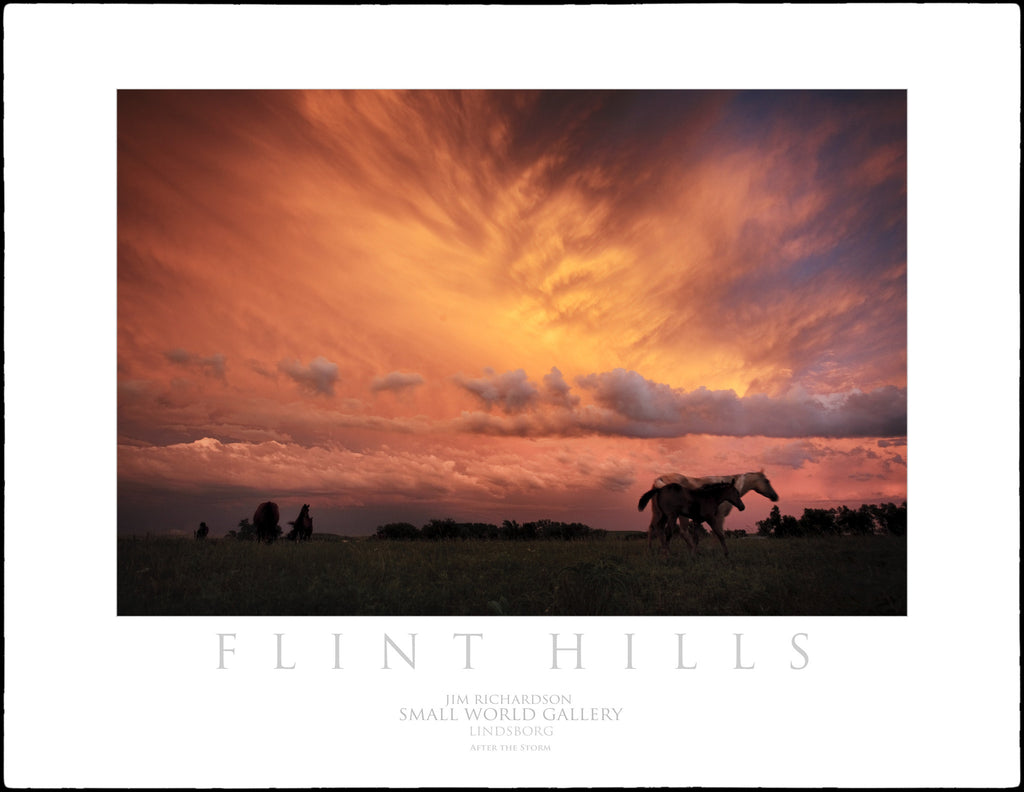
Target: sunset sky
x,y
399,306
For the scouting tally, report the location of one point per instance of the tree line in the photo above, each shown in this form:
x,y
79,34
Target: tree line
x,y
887,518
509,530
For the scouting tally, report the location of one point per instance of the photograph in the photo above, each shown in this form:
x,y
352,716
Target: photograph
x,y
452,396
489,352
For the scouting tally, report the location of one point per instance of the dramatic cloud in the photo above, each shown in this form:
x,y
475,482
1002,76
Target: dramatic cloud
x,y
667,411
557,390
633,396
511,391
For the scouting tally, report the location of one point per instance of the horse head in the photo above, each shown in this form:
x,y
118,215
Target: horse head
x,y
725,492
760,484
732,495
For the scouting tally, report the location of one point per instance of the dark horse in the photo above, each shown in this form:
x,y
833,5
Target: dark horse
x,y
302,526
201,531
265,522
744,483
674,501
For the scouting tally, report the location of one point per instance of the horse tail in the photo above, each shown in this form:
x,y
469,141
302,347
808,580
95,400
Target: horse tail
x,y
644,498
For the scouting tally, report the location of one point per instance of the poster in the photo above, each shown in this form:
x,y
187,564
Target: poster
x,y
926,699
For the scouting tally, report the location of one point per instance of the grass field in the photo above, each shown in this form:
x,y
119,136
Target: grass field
x,y
613,576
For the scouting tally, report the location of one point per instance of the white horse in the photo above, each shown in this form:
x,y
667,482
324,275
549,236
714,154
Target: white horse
x,y
743,482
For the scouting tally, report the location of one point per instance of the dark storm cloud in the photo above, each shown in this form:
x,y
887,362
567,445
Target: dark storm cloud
x,y
633,396
621,130
557,390
512,391
880,413
629,405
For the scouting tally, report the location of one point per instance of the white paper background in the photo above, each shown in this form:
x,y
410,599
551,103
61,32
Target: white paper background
x,y
927,700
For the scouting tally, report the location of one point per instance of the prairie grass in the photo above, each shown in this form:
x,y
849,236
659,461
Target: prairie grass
x,y
821,576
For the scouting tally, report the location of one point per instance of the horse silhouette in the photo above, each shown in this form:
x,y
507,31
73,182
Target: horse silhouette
x,y
674,501
743,482
265,522
302,526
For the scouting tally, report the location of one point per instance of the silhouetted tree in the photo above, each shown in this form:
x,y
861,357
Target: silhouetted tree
x,y
790,526
771,524
477,531
441,529
864,521
816,522
398,531
856,522
861,521
779,525
245,531
511,530
891,518
544,529
550,529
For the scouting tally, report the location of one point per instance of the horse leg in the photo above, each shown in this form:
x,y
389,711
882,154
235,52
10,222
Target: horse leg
x,y
658,521
686,529
693,532
655,529
716,527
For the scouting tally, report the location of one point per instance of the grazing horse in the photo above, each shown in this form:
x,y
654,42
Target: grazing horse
x,y
265,521
743,482
302,526
674,501
201,531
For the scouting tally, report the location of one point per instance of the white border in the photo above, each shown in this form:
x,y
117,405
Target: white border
x,y
927,700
